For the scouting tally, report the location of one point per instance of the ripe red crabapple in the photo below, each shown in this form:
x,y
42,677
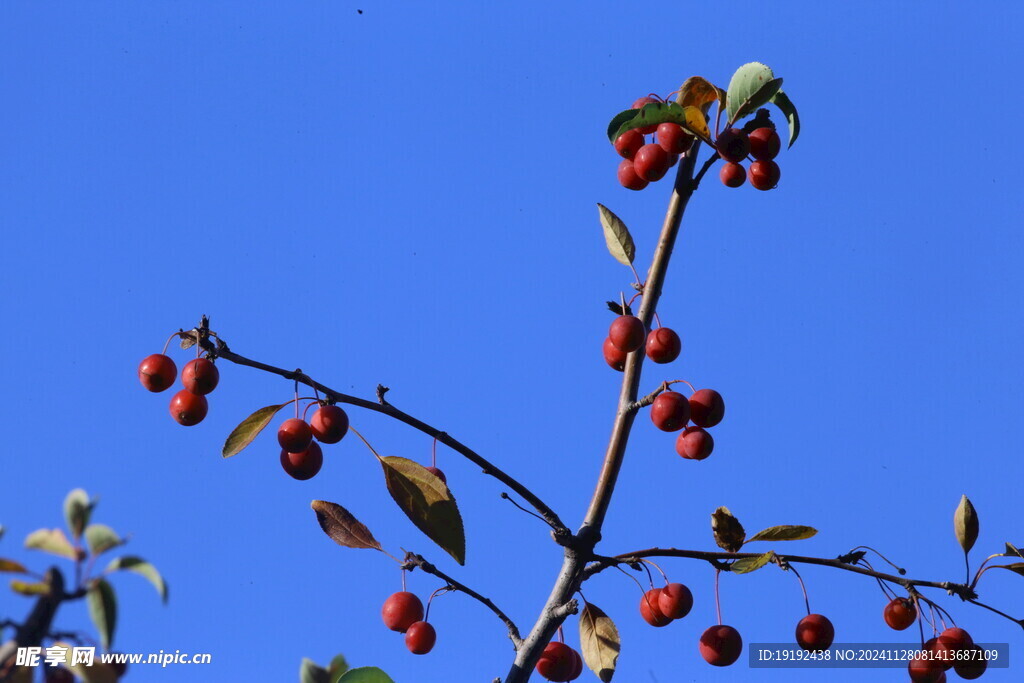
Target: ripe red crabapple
x,y
200,376
305,464
188,409
401,610
157,372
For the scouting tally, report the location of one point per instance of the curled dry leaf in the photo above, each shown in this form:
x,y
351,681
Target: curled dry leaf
x,y
965,524
729,533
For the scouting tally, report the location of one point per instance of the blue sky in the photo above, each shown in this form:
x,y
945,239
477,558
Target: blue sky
x,y
407,196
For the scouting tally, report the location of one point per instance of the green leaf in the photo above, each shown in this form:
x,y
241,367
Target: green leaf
x,y
617,121
311,673
52,541
101,538
337,668
365,674
77,510
27,588
616,235
1016,567
746,565
140,566
249,428
599,641
728,531
427,503
760,98
745,87
690,118
103,610
12,567
788,109
343,528
1012,550
786,532
965,524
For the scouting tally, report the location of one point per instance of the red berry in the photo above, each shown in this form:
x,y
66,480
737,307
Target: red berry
x,y
294,435
557,663
764,175
613,357
304,464
420,638
815,633
187,408
329,424
157,372
670,411
956,638
765,144
651,163
437,473
732,174
200,376
733,144
640,104
972,665
650,608
628,143
401,610
627,333
924,669
675,601
673,139
628,177
577,666
663,345
721,645
706,408
900,613
694,443
941,651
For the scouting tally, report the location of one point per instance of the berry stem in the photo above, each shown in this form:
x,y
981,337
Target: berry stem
x,y
403,578
363,439
660,570
807,603
718,601
168,342
433,454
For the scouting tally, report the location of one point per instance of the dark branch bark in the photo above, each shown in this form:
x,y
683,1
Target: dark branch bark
x,y
39,621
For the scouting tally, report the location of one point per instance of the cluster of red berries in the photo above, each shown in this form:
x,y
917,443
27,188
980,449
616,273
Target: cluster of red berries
x,y
627,334
403,612
661,606
301,456
199,377
734,145
559,662
647,162
952,649
671,412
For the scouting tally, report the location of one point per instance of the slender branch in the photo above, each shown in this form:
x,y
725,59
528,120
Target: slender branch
x,y
413,560
221,350
704,169
964,591
1019,622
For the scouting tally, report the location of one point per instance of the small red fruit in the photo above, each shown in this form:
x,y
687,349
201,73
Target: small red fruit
x,y
956,638
401,610
640,104
675,601
304,464
157,372
613,357
900,613
670,411
329,424
815,633
627,333
650,608
200,376
732,174
651,162
436,471
721,645
577,666
420,637
924,669
557,662
663,345
628,177
294,435
972,665
628,143
694,443
706,408
673,139
187,408
764,175
733,145
765,144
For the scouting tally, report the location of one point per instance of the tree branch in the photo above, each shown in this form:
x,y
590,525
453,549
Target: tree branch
x,y
413,560
221,350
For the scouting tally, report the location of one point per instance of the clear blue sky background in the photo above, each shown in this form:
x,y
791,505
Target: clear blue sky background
x,y
406,196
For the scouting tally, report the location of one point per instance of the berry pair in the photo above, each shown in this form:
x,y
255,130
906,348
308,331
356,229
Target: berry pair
x,y
403,612
199,377
559,662
671,411
661,606
301,456
647,162
763,144
627,334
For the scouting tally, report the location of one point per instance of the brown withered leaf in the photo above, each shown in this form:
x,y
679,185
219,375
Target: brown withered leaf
x,y
600,642
343,528
729,533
